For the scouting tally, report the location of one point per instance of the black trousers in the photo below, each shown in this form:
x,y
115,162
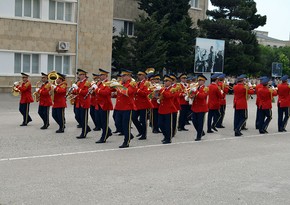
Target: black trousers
x,y
106,130
183,113
154,119
165,122
43,112
24,110
258,115
283,116
265,119
77,114
212,118
123,120
198,121
58,116
222,113
84,121
140,121
240,118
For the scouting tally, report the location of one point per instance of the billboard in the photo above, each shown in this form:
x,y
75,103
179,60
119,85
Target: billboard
x,y
277,69
209,55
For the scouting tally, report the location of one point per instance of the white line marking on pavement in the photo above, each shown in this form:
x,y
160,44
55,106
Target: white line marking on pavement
x,y
130,148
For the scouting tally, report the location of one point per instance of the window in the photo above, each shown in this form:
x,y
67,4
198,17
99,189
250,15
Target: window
x,y
128,28
28,63
62,11
194,3
60,64
27,8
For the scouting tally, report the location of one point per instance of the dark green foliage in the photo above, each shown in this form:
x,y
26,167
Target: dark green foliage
x,y
234,22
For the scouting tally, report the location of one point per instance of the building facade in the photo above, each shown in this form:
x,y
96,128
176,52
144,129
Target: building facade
x,y
264,39
44,35
63,35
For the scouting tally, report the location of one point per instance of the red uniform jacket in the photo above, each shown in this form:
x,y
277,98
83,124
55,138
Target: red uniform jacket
x,y
176,94
240,96
284,95
214,96
167,105
93,99
265,94
25,90
199,103
59,95
142,100
126,101
182,93
83,89
44,94
225,89
257,97
103,96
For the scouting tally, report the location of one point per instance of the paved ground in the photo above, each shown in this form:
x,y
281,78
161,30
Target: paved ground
x,y
41,167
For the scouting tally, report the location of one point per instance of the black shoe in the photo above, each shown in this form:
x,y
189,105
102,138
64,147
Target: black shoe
x,y
238,134
155,131
59,131
80,137
29,121
97,129
210,131
166,142
89,129
116,132
139,135
182,129
244,128
100,141
79,126
284,130
221,126
203,133
120,134
43,127
215,129
131,137
109,135
280,130
142,138
187,123
197,139
23,124
163,140
262,132
124,146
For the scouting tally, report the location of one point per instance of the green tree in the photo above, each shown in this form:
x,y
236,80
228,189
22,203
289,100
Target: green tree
x,y
177,31
234,22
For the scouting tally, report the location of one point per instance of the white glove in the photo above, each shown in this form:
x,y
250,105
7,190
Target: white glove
x,y
115,83
16,83
36,89
193,89
94,86
228,83
158,88
75,86
54,86
222,92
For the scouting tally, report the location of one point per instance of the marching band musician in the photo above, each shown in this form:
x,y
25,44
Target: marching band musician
x,y
258,112
26,98
225,88
184,105
45,100
283,103
155,80
175,101
166,109
84,101
143,104
93,112
214,97
266,95
125,105
104,103
76,103
241,93
59,102
199,106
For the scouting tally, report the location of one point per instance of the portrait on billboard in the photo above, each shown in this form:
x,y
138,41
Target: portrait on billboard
x,y
209,56
277,69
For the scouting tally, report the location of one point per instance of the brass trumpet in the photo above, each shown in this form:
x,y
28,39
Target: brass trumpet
x,y
36,94
15,91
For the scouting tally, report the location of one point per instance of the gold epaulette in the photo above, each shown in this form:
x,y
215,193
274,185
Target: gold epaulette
x,y
147,84
133,83
47,86
63,85
87,84
205,89
27,84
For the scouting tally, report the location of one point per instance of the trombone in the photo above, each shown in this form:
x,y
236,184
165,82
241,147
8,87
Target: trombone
x,y
36,94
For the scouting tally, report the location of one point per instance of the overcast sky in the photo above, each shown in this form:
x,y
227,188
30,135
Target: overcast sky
x,y
278,17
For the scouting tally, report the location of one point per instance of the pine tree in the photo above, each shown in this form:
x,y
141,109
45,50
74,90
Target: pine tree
x,y
234,22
